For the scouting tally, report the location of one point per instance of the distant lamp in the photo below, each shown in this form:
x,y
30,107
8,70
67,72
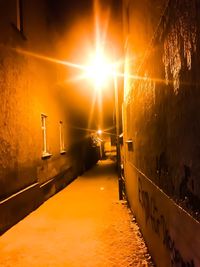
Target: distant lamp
x,y
99,132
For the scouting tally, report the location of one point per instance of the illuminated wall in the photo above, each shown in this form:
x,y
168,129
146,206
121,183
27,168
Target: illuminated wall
x,y
161,118
30,87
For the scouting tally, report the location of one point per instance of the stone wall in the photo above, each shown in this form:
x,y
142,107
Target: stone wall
x,y
162,119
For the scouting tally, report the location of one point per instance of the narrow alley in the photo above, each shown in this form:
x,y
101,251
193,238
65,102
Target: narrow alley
x,y
99,133
83,225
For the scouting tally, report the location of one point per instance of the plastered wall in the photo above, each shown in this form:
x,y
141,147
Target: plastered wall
x,y
29,87
161,118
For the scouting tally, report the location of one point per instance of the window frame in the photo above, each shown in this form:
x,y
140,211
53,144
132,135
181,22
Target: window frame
x,y
20,17
62,139
45,152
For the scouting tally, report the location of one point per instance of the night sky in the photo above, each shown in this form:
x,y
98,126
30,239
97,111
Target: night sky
x,y
63,13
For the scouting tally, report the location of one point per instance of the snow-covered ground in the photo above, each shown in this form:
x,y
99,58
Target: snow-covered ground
x,y
82,226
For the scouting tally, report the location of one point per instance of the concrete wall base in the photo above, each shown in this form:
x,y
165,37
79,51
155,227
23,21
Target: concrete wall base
x,y
56,184
15,207
172,235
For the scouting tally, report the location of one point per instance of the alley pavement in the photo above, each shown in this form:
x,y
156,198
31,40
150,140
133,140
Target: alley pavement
x,y
84,225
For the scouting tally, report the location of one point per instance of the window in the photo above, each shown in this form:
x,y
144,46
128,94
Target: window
x,y
45,152
62,143
19,22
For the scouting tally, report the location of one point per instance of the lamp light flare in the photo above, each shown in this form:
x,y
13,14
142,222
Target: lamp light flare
x,y
99,70
50,59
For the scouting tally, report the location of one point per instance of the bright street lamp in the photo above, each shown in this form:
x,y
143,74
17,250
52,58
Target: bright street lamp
x,y
100,71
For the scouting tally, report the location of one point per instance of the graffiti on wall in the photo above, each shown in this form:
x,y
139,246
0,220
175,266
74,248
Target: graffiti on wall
x,y
158,224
